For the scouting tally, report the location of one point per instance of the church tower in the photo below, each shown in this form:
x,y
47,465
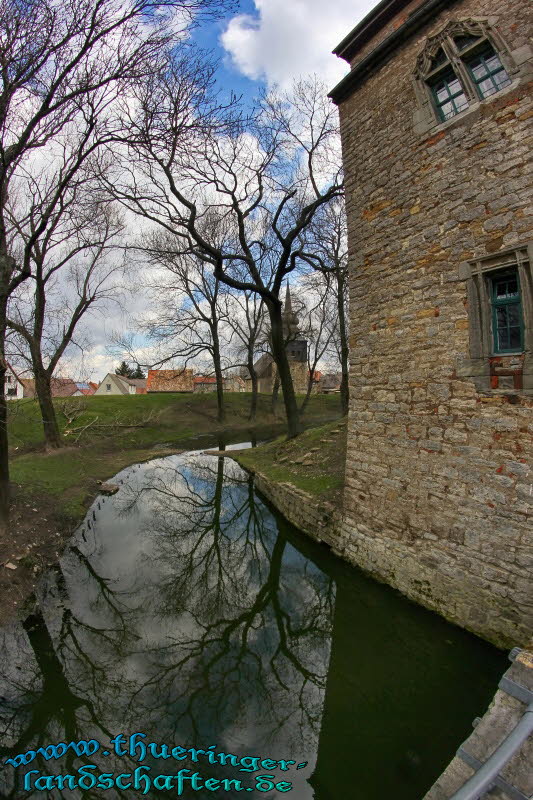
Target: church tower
x,y
295,344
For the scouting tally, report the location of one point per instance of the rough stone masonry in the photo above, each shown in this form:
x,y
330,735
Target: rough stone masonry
x,y
439,483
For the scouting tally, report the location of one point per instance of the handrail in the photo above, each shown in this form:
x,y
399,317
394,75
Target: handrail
x,y
484,777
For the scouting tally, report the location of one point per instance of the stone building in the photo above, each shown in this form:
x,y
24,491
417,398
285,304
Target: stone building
x,y
436,116
296,347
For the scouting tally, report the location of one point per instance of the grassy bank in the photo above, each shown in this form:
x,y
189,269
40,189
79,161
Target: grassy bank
x,y
104,434
314,461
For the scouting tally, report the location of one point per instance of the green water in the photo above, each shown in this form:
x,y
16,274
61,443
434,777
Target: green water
x,y
186,609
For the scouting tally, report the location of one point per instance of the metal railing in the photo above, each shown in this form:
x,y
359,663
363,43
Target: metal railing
x,y
487,774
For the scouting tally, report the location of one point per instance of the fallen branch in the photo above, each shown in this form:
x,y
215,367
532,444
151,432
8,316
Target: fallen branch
x,y
95,425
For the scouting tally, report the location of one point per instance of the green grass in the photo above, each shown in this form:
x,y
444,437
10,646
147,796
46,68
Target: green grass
x,y
64,481
320,473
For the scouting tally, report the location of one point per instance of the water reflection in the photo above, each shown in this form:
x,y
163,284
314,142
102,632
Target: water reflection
x,y
186,609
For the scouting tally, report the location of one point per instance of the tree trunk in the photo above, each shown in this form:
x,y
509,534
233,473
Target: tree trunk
x,y
221,415
308,392
253,402
345,351
4,443
52,436
279,354
275,395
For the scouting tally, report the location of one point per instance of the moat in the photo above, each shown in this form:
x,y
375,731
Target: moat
x,y
187,609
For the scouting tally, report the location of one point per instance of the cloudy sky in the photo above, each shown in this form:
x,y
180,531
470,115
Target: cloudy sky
x,y
267,42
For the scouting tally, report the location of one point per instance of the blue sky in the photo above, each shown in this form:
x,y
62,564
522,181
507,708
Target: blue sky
x,y
269,42
229,77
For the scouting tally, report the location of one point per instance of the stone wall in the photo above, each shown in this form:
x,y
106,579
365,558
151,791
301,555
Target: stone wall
x,y
299,374
439,486
503,715
317,518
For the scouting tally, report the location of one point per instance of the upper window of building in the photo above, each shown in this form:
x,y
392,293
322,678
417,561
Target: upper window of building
x,y
448,95
488,72
466,62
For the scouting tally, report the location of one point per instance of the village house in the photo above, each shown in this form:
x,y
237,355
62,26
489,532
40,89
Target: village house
x,y
329,383
59,387
204,383
170,380
436,117
14,384
234,383
117,384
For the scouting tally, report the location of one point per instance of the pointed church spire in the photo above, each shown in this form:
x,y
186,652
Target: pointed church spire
x,y
288,304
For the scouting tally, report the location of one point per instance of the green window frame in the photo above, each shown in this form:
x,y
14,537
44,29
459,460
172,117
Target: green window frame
x,y
507,316
448,95
487,72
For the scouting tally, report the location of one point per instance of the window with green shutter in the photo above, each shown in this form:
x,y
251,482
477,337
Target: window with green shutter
x,y
507,324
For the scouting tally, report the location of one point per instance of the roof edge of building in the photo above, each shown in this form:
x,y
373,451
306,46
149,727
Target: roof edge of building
x,y
367,27
354,41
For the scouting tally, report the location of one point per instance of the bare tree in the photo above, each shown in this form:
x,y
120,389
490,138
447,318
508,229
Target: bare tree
x,y
188,325
320,324
246,317
326,250
64,62
272,174
72,273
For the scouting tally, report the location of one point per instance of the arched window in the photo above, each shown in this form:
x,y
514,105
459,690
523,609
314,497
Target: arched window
x,y
465,62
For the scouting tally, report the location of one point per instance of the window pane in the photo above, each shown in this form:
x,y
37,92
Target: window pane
x,y
487,87
514,338
442,93
461,102
514,314
503,339
493,63
502,79
507,288
454,86
488,72
501,316
478,70
448,110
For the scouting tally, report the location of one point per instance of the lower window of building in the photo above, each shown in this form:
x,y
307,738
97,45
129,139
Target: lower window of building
x,y
507,326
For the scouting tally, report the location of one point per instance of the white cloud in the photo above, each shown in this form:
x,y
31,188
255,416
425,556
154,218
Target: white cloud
x,y
289,38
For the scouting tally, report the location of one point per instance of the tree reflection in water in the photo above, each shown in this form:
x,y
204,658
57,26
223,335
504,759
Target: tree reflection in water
x,y
180,611
249,661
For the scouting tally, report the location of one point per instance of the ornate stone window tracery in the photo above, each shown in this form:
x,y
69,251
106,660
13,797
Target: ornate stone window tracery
x,y
464,63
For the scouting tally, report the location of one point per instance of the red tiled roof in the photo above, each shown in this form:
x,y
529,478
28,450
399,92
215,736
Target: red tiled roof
x,y
205,379
63,387
170,380
60,387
